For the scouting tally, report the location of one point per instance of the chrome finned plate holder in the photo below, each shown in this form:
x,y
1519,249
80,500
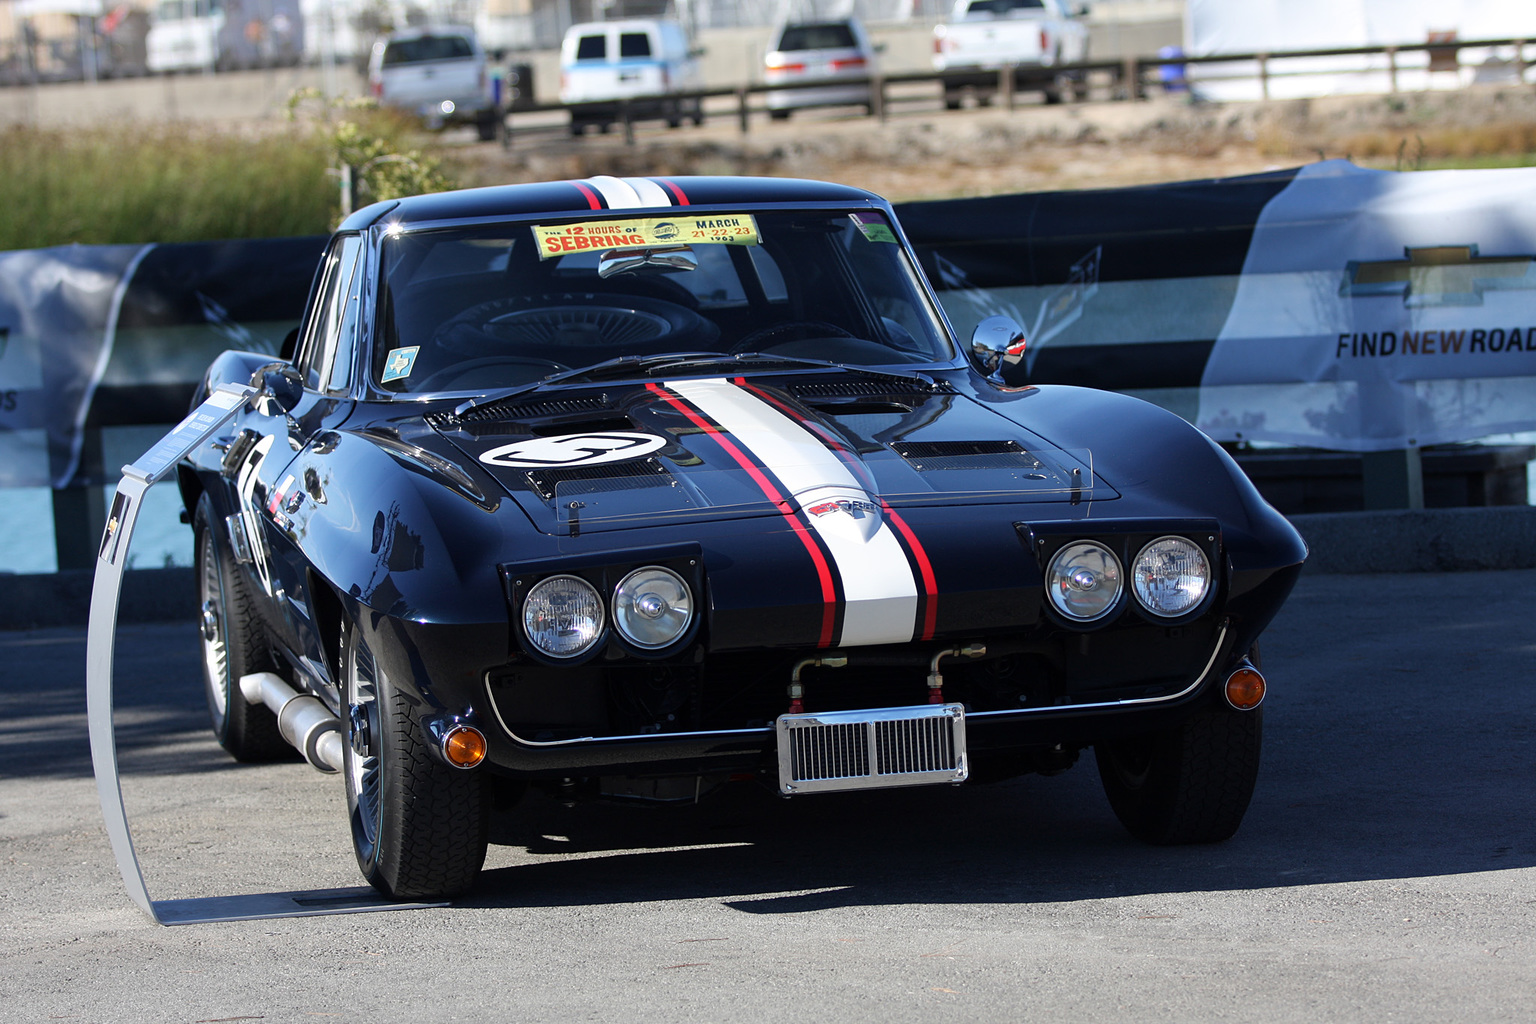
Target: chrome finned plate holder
x,y
877,748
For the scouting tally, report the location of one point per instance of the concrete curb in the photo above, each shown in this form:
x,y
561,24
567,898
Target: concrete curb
x,y
1429,540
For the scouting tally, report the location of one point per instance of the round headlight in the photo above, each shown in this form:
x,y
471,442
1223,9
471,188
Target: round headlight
x,y
563,616
652,607
1084,581
1171,576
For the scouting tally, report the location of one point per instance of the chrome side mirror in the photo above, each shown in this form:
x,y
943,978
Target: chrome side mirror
x,y
623,261
997,344
279,387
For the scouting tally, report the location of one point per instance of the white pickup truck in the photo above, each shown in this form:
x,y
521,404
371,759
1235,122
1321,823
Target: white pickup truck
x,y
1035,37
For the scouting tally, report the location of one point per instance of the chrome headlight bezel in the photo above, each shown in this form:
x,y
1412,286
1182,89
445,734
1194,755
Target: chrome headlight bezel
x,y
631,621
1097,574
593,637
1142,589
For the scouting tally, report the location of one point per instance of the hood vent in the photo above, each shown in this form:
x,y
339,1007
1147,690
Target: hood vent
x,y
618,476
487,419
895,387
934,456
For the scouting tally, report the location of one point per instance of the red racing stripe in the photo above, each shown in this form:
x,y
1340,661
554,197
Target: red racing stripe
x,y
818,557
930,612
677,193
590,196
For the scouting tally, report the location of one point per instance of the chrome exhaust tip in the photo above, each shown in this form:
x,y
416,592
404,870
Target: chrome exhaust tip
x,y
305,722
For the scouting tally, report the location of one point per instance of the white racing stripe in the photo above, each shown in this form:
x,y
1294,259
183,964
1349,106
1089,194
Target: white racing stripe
x,y
878,585
650,193
616,192
629,193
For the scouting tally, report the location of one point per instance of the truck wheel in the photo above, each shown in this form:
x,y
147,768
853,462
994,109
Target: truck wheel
x,y
234,643
1189,784
486,128
419,827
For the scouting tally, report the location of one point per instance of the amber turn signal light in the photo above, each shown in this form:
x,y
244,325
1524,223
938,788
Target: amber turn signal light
x,y
1245,689
464,746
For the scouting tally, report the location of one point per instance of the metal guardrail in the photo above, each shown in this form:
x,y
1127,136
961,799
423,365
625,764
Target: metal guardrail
x,y
1128,78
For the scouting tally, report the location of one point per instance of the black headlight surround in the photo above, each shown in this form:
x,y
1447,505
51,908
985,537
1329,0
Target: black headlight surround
x,y
603,571
1125,538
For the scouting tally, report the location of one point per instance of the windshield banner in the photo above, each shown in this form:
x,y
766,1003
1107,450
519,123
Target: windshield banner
x,y
645,233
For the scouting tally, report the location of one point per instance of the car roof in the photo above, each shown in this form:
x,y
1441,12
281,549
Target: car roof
x,y
418,31
624,195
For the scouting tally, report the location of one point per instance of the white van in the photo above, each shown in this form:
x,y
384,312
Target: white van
x,y
641,63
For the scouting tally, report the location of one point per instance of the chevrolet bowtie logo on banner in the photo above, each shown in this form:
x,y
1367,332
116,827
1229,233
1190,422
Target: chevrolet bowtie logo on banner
x,y
1441,275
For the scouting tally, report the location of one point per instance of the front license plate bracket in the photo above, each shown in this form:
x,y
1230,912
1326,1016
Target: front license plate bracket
x,y
878,748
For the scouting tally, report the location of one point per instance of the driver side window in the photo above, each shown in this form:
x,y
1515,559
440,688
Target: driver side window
x,y
334,314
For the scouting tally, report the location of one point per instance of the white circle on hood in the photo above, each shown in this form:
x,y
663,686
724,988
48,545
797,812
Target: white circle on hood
x,y
569,450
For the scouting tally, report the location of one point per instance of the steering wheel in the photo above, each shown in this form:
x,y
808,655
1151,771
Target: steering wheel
x,y
765,338
551,323
436,381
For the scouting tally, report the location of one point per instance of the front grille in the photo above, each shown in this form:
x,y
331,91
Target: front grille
x,y
873,749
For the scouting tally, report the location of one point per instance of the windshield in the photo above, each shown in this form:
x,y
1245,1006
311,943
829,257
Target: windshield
x,y
492,306
426,48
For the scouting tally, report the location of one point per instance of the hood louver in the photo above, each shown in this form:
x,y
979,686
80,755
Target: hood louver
x,y
494,418
934,456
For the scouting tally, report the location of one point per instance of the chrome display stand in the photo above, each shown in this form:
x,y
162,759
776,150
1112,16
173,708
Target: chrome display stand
x,y
198,428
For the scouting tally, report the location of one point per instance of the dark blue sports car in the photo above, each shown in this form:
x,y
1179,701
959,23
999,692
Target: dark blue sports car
x,y
634,487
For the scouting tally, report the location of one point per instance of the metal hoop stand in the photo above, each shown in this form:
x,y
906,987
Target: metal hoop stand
x,y
197,429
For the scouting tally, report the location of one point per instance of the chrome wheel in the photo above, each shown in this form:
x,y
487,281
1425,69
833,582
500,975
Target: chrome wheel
x,y
362,755
419,827
233,642
211,629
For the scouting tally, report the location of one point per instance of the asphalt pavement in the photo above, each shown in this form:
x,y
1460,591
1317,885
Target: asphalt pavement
x,y
1386,870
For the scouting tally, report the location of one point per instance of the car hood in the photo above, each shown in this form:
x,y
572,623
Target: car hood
x,y
642,454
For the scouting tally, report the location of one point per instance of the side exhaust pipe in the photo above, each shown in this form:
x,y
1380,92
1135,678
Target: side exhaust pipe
x,y
303,720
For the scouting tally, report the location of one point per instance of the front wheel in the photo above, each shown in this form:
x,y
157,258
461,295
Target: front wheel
x,y
419,827
1188,784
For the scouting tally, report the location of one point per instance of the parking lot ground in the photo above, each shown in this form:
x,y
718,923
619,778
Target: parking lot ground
x,y
1386,870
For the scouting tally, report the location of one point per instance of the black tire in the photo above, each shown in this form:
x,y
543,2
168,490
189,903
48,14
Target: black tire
x,y
1189,784
780,113
486,127
419,827
234,643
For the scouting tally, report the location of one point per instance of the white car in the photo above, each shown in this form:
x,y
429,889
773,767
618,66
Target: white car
x,y
833,58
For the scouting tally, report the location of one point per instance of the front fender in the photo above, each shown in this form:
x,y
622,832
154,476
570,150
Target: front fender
x,y
399,538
